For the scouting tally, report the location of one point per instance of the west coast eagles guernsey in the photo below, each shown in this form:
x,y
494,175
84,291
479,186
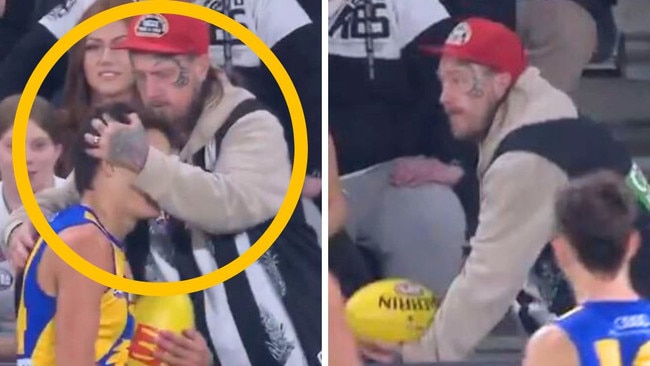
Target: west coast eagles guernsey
x,y
610,332
35,327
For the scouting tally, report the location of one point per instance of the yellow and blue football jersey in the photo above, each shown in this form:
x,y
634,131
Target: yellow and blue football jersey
x,y
35,323
610,333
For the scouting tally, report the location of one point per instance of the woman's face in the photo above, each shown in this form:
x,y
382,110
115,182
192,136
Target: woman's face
x,y
107,71
42,154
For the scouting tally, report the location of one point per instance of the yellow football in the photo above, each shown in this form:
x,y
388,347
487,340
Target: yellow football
x,y
391,310
154,314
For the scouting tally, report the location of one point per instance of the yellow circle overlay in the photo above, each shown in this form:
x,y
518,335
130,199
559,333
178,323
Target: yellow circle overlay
x,y
160,288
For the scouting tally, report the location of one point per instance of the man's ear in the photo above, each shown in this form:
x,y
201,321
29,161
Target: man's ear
x,y
502,82
202,66
633,244
562,250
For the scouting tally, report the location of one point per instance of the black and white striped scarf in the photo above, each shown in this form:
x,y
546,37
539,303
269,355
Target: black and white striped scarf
x,y
268,315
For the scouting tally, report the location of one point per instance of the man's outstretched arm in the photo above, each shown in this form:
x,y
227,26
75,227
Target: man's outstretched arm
x,y
515,223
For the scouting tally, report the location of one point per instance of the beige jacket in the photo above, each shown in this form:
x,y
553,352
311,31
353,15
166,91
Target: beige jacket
x,y
515,222
246,187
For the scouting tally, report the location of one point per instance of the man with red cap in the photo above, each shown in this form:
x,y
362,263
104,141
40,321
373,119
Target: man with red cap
x,y
531,141
219,194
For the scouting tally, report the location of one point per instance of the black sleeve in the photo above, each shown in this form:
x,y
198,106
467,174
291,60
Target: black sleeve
x,y
18,66
300,54
19,13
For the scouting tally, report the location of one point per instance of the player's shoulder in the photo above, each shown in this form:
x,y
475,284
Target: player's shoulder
x,y
550,345
549,335
80,237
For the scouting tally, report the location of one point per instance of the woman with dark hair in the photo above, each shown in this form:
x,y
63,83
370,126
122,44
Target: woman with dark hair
x,y
42,147
97,74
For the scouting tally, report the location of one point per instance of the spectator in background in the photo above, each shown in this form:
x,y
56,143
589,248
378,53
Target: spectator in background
x,y
394,147
43,147
560,37
97,75
287,29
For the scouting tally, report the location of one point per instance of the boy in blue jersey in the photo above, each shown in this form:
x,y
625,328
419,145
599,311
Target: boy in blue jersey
x,y
596,241
65,318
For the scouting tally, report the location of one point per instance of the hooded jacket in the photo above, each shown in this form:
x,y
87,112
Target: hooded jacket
x,y
515,223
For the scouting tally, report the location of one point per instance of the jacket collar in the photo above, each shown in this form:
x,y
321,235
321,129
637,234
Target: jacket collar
x,y
215,112
531,100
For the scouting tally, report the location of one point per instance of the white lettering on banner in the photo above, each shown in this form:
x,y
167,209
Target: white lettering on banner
x,y
348,33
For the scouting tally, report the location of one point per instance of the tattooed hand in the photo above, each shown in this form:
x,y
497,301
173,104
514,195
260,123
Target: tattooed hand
x,y
124,145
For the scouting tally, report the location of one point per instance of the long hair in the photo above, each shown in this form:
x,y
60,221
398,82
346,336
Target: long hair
x,y
76,91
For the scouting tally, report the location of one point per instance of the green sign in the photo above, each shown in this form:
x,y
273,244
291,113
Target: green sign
x,y
639,184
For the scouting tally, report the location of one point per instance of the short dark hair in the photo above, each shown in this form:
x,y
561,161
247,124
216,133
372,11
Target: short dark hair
x,y
597,214
42,113
84,165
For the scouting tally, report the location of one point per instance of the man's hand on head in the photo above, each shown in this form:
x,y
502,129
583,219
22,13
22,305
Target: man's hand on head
x,y
124,145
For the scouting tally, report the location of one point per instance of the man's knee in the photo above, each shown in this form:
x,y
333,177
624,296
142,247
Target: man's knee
x,y
421,233
432,206
422,223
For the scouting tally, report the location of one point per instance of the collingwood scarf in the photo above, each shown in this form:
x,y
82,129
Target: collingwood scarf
x,y
269,314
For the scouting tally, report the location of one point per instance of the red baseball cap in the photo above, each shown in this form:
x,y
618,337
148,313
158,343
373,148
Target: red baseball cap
x,y
168,34
484,42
